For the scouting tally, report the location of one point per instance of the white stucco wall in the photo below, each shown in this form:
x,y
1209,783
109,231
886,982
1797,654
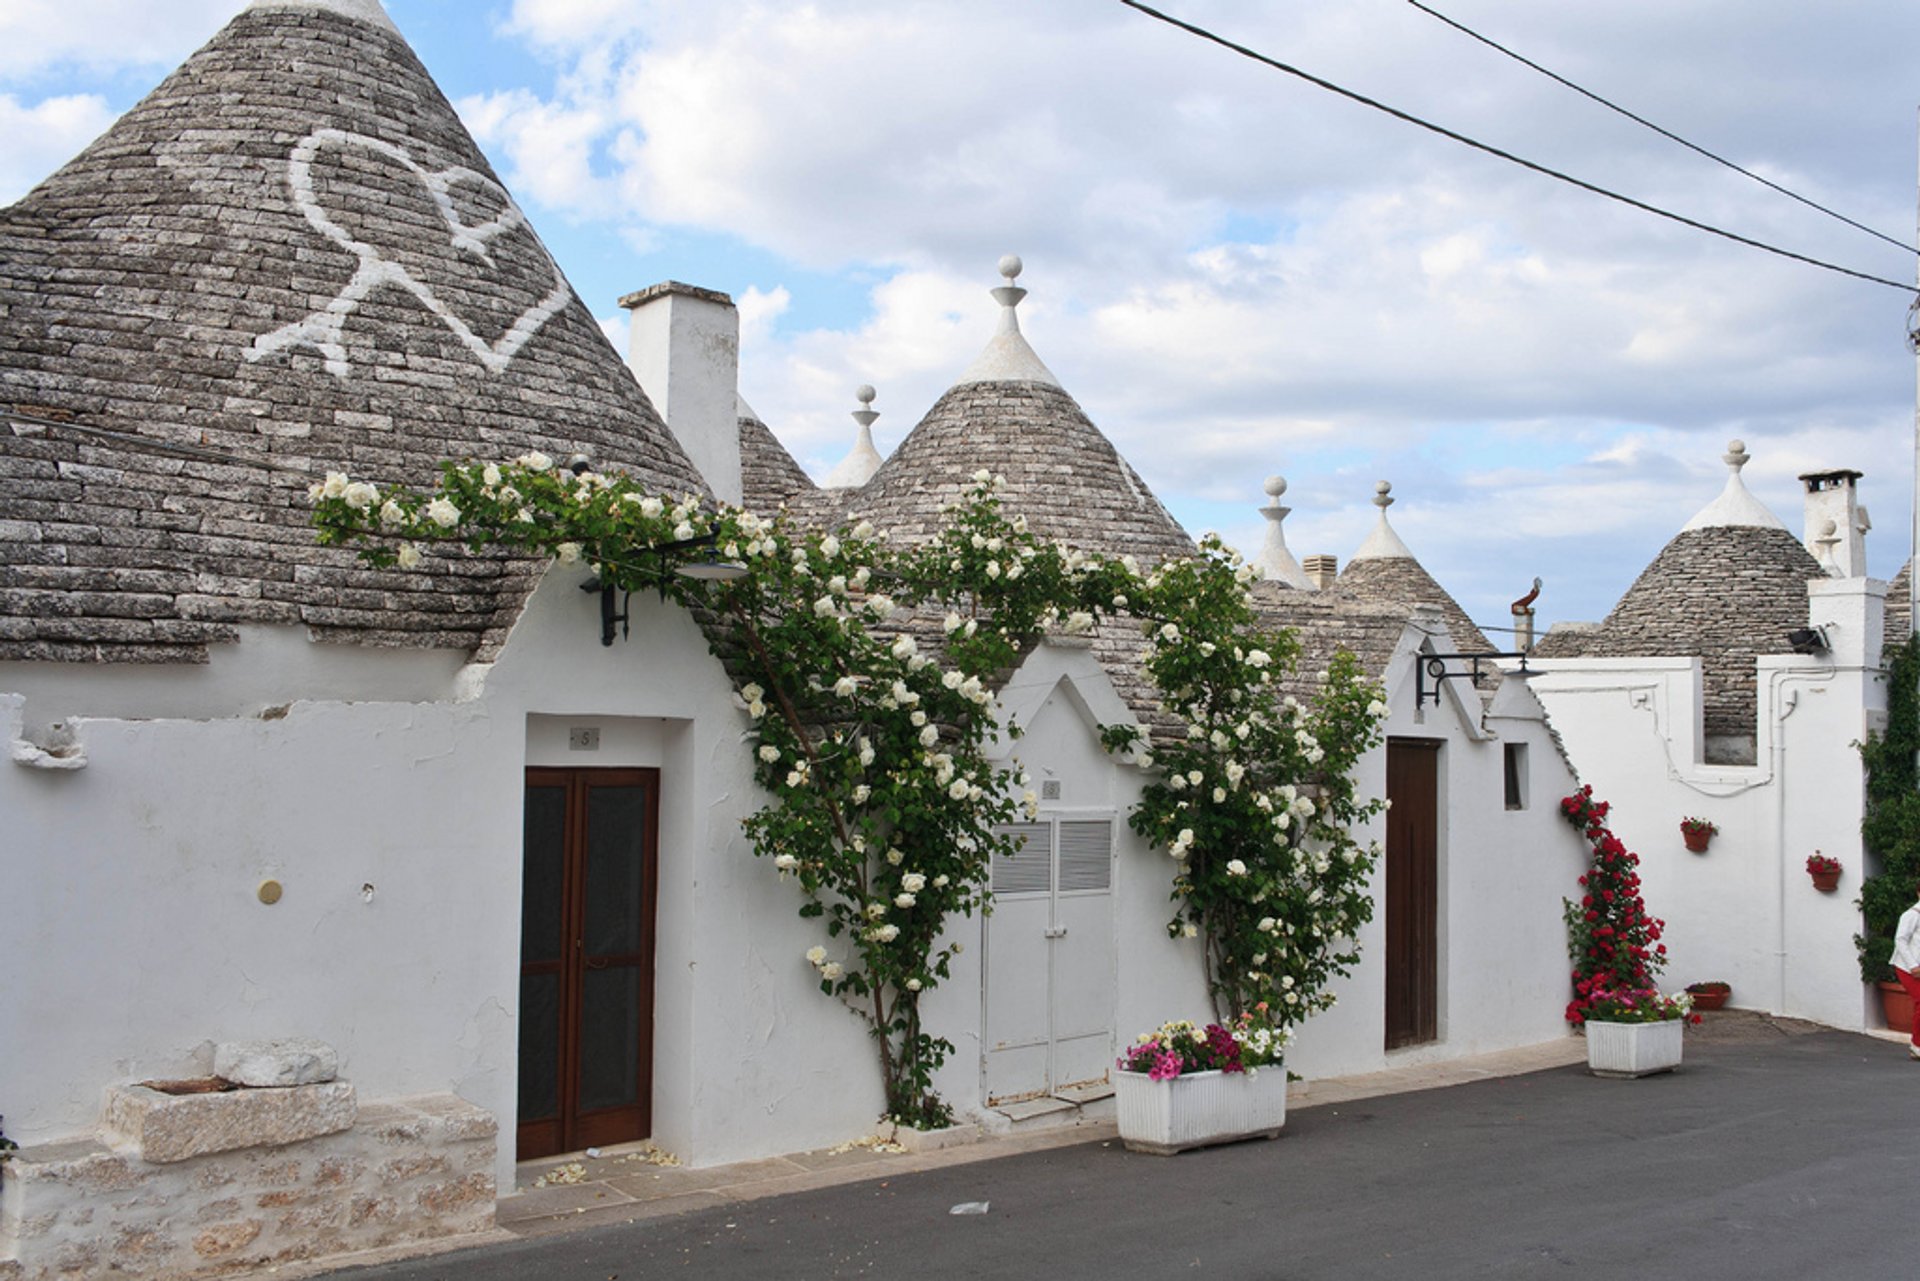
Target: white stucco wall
x,y
1502,963
1745,912
131,889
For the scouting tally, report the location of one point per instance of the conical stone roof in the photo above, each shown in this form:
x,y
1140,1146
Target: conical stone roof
x,y
290,257
1384,572
1010,417
769,476
1727,588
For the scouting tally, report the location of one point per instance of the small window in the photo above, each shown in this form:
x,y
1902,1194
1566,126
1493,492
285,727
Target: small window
x,y
1516,754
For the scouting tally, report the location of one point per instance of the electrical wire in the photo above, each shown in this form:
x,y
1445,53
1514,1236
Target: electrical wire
x,y
1664,133
1491,150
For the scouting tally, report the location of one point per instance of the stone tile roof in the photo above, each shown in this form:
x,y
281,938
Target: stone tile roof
x,y
292,256
1721,593
1329,622
769,476
1062,474
1899,624
1400,581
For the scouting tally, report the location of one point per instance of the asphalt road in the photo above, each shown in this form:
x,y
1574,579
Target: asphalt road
x,y
1770,1154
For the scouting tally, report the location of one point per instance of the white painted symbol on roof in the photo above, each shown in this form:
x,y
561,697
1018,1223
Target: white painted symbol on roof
x,y
323,330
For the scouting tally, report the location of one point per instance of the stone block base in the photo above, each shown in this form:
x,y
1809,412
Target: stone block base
x,y
407,1170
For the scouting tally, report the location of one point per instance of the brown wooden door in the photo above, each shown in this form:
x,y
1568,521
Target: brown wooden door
x,y
1413,839
589,873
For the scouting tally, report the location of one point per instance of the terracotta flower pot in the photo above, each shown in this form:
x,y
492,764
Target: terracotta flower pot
x,y
1710,998
1897,1006
1826,882
1696,838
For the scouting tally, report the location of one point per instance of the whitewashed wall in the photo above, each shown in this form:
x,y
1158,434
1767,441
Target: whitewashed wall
x,y
1503,966
1745,912
136,938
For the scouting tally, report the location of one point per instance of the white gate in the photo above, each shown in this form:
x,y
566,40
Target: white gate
x,y
1050,964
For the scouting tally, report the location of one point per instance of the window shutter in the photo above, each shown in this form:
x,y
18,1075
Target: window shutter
x,y
1086,855
1028,870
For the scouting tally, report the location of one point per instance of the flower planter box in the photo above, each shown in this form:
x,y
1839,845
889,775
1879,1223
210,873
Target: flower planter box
x,y
1634,1049
1197,1109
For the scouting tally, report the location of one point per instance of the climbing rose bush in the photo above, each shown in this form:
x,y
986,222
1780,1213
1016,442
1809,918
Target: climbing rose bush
x,y
865,675
1255,802
1615,945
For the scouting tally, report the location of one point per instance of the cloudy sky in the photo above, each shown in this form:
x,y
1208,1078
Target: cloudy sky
x,y
1236,273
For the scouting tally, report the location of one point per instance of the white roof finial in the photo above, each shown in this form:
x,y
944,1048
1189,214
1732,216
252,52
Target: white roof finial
x,y
1008,358
1276,563
1383,543
1828,540
370,11
1735,506
857,468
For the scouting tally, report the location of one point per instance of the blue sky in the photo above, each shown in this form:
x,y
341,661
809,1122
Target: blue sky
x,y
1234,273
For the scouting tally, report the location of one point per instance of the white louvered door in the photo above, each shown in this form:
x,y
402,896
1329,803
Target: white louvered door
x,y
1050,962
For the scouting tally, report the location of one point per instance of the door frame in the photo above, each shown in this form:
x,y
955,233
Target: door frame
x,y
1050,820
1411,924
570,1129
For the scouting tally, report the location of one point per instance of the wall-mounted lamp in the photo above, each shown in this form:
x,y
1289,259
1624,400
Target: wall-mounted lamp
x,y
1808,640
709,569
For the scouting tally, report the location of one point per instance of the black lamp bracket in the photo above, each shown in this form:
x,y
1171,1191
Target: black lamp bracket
x,y
609,616
1431,670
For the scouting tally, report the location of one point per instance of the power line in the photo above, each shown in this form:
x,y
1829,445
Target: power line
x,y
1524,163
1664,133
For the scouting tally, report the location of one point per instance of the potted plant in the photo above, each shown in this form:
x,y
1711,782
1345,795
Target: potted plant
x,y
1181,1086
1711,995
1891,829
1696,832
1824,871
1635,1031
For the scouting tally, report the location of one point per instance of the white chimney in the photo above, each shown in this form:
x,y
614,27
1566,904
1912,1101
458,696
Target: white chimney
x,y
684,346
1831,497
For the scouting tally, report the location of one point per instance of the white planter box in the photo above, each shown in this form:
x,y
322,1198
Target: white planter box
x,y
1196,1109
1634,1049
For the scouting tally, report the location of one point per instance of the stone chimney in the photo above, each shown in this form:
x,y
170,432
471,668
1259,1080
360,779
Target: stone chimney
x,y
1322,569
684,346
1831,496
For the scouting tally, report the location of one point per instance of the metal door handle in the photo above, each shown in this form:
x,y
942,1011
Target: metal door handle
x,y
1056,932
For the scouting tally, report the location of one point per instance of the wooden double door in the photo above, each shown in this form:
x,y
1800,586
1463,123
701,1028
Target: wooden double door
x,y
590,871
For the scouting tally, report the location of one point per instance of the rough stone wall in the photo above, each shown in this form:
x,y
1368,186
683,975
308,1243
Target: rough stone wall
x,y
191,285
408,1170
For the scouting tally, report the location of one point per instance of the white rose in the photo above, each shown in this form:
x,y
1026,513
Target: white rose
x,y
816,955
929,736
443,513
391,513
769,753
490,475
409,556
845,686
913,882
831,971
567,553
360,495
913,985
335,485
904,899
1236,868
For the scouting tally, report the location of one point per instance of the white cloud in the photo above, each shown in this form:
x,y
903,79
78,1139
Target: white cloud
x,y
548,148
104,35
44,136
